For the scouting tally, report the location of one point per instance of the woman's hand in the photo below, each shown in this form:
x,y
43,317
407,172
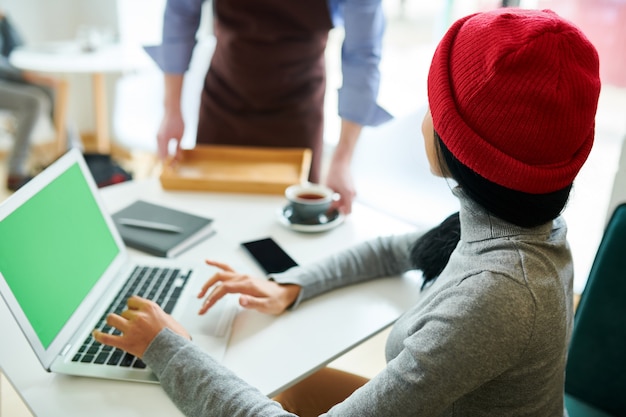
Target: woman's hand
x,y
256,293
139,324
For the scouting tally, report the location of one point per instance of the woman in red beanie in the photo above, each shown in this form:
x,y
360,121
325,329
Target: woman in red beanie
x,y
513,95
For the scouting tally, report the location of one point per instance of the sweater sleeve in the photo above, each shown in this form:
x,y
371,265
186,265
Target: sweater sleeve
x,y
381,257
200,386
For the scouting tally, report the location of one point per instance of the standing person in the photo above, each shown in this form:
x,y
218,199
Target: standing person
x,y
267,79
513,95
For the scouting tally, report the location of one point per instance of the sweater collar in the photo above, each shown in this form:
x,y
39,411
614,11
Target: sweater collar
x,y
478,224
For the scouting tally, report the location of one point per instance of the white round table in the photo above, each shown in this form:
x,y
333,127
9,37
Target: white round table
x,y
69,58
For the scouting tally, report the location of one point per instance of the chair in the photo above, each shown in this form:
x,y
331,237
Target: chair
x,y
595,380
60,116
59,145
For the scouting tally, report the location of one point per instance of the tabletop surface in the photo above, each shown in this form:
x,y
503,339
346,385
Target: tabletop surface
x,y
270,352
68,57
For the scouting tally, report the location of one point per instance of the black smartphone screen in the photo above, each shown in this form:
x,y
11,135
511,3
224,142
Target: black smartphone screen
x,y
271,257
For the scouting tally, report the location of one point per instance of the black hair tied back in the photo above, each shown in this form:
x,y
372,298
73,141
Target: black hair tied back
x,y
431,252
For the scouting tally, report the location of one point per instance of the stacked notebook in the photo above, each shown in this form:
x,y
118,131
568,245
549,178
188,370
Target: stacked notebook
x,y
159,230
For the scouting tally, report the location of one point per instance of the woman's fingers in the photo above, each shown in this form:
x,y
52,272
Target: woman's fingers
x,y
219,290
216,279
117,321
139,324
238,284
220,265
226,273
256,293
136,302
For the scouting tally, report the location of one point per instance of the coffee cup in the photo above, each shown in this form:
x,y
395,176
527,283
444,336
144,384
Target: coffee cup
x,y
309,201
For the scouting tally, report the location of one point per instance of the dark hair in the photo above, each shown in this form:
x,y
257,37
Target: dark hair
x,y
517,207
431,252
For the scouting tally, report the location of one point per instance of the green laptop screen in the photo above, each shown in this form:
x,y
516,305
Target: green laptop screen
x,y
53,249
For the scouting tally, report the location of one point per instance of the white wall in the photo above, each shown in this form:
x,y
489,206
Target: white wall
x,y
53,20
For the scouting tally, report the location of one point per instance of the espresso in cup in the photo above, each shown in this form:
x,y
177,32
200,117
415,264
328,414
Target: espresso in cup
x,y
308,201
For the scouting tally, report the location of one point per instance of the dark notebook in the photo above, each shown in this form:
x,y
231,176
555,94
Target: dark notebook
x,y
160,230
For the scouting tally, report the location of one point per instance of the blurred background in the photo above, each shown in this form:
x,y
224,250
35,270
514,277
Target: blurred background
x,y
389,166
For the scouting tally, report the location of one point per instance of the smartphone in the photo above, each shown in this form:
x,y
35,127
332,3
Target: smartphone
x,y
269,255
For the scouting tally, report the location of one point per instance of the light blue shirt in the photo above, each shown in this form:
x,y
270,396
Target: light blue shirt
x,y
364,25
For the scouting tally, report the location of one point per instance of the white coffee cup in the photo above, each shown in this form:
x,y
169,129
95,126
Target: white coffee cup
x,y
309,200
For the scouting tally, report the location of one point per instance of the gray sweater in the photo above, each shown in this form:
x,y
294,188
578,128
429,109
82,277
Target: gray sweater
x,y
488,338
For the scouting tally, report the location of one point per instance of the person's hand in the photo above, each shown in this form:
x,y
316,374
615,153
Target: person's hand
x,y
172,128
259,294
139,324
340,179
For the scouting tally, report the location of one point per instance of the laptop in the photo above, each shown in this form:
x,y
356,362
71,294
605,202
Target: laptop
x,y
63,266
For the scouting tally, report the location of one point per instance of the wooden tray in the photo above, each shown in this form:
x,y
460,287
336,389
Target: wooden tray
x,y
237,169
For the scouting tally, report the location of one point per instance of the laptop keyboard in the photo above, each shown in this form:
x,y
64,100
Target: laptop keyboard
x,y
161,285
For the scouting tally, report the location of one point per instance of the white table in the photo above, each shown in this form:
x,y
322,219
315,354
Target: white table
x,y
269,352
68,58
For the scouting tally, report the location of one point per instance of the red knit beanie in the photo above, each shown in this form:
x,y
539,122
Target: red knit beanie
x,y
513,95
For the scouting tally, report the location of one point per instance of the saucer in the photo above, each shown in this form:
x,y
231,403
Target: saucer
x,y
322,223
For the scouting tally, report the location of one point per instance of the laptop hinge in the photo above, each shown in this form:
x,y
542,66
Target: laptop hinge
x,y
66,349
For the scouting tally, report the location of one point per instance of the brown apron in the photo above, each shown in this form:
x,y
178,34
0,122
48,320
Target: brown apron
x,y
267,79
